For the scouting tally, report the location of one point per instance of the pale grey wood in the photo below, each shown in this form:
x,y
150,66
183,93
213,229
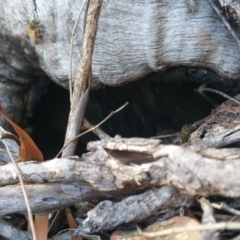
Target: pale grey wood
x,y
11,233
117,163
108,215
220,129
208,217
43,198
51,197
233,7
82,86
134,38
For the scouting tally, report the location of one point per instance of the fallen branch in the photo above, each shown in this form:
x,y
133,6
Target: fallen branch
x,y
143,205
118,164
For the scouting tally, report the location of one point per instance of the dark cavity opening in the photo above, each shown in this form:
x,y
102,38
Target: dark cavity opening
x,y
159,104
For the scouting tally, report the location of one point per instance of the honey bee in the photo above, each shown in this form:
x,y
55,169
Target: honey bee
x,y
187,130
34,31
185,133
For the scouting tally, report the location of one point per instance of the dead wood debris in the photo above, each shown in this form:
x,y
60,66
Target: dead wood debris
x,y
108,215
208,217
9,232
220,129
122,165
83,78
115,168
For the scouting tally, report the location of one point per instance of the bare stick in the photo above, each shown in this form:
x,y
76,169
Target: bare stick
x,y
211,226
203,95
24,192
225,207
71,50
165,136
202,88
83,78
98,125
97,131
226,23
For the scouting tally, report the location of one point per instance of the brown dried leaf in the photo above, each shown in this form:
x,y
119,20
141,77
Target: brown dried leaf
x,y
178,221
160,226
28,149
72,223
41,226
126,235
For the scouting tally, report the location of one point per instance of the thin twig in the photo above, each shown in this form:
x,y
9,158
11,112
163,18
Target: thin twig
x,y
97,131
165,136
203,227
205,89
225,207
54,219
30,217
226,23
91,129
71,51
203,95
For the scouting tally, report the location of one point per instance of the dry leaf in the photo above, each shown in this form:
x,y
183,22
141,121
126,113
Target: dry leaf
x,y
28,149
41,226
72,223
178,221
126,235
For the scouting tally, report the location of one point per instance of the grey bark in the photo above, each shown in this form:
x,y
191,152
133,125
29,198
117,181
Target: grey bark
x,y
108,215
134,39
106,172
220,129
208,217
9,232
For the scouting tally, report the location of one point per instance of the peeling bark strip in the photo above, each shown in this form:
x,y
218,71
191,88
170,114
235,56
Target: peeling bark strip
x,y
83,78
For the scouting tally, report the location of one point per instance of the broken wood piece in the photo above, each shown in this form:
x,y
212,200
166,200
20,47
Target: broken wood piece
x,y
10,232
220,129
108,215
208,217
109,167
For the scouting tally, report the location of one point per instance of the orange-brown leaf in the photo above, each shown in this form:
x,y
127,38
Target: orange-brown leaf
x,y
28,149
72,223
41,226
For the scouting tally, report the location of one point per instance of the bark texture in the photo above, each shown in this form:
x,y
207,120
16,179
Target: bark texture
x,y
134,38
120,167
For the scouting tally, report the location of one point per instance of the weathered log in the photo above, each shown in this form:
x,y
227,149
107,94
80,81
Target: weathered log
x,y
134,39
134,208
109,167
51,197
